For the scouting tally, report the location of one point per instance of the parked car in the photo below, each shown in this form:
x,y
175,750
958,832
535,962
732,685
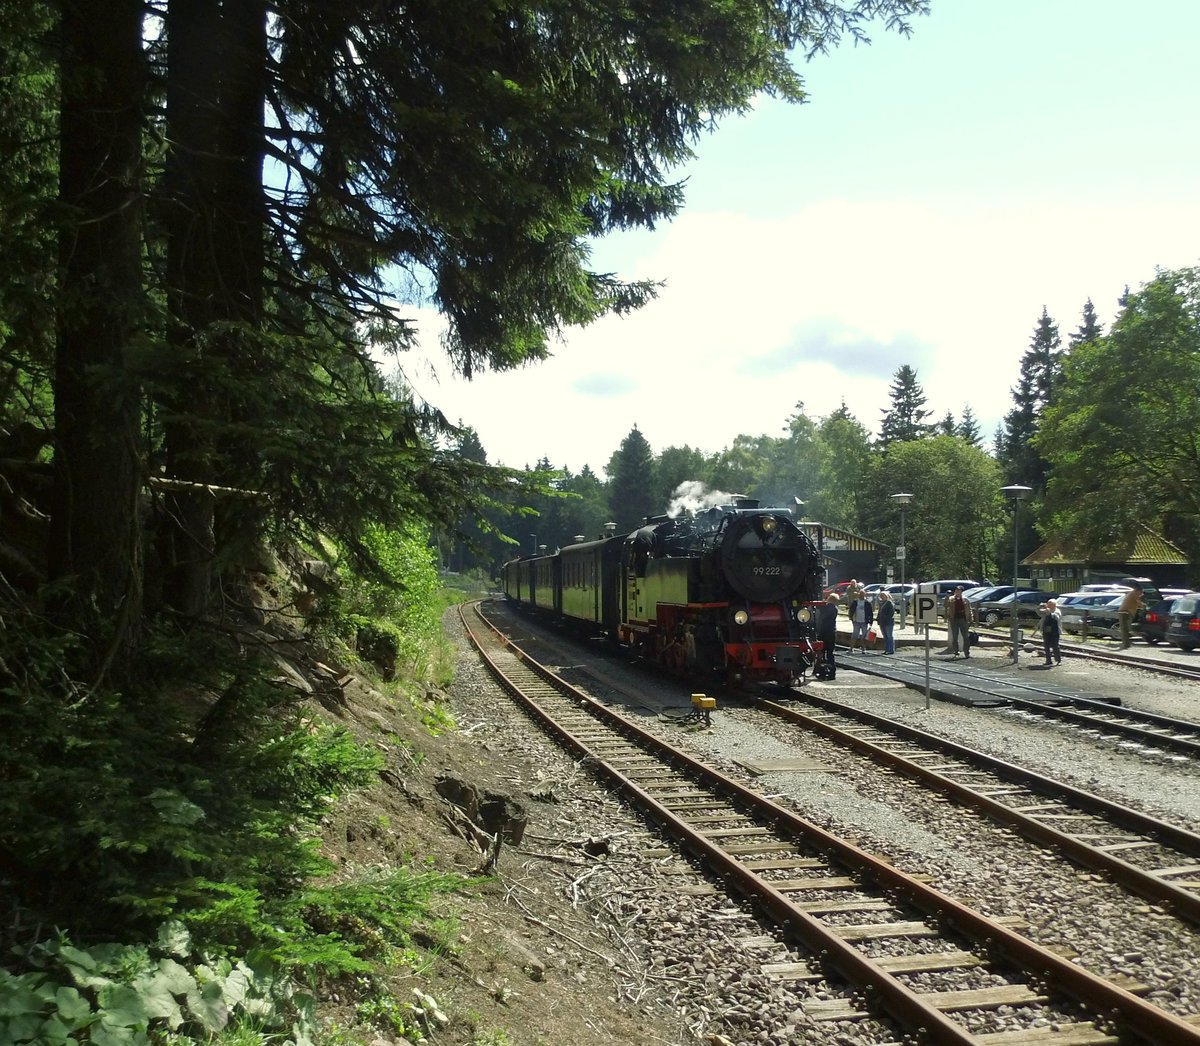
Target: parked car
x,y
902,593
1183,626
1157,619
994,611
942,589
1104,617
1099,609
1150,591
839,588
1066,598
993,592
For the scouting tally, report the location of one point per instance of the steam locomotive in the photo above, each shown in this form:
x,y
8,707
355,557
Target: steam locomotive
x,y
728,594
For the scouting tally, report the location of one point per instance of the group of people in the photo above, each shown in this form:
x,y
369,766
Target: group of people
x,y
863,621
960,614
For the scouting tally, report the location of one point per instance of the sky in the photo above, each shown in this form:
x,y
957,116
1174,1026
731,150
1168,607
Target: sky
x,y
924,205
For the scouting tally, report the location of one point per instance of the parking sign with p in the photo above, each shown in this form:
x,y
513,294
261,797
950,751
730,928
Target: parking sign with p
x,y
925,607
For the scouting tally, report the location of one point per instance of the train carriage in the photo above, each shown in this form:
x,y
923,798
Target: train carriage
x,y
590,573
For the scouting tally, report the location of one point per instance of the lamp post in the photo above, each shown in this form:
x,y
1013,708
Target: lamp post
x,y
533,551
902,553
1016,494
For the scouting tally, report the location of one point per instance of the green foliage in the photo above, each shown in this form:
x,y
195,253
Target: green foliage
x,y
384,1011
844,471
121,995
1120,436
676,466
28,185
387,604
125,808
631,483
1041,375
381,909
740,467
905,420
955,518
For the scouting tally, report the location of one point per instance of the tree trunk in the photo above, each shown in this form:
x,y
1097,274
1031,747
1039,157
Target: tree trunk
x,y
96,532
215,229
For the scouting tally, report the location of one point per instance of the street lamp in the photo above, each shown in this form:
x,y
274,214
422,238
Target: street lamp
x,y
1016,494
533,551
902,553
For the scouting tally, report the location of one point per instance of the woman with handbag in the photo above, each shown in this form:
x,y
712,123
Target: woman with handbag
x,y
861,615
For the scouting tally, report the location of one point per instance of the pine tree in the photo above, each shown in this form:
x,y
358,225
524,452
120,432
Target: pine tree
x,y
947,426
968,428
1090,329
631,482
96,538
905,419
1041,372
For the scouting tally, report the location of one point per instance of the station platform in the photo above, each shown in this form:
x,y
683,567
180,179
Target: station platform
x,y
988,678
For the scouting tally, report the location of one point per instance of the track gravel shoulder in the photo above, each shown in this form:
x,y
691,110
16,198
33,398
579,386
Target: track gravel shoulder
x,y
592,933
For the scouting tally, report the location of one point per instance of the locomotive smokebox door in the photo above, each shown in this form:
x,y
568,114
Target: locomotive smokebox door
x,y
762,557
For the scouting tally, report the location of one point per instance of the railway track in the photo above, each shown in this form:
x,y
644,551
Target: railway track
x,y
1091,650
1051,700
1153,858
1143,661
961,978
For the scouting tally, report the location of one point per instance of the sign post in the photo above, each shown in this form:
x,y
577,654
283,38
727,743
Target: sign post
x,y
925,613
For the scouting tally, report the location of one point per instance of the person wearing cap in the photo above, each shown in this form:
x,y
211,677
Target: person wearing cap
x,y
1051,631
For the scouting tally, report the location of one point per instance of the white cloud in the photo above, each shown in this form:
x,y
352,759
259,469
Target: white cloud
x,y
818,306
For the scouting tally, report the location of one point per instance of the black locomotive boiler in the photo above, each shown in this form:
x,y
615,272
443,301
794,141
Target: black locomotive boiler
x,y
727,593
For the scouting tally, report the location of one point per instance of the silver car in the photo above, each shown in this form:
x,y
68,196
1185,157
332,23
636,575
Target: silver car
x,y
1098,609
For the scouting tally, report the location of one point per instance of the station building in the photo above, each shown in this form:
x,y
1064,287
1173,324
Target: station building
x,y
1061,566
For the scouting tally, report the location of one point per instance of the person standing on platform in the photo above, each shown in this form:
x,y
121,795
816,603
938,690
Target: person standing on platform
x,y
861,615
958,622
1051,631
887,621
827,618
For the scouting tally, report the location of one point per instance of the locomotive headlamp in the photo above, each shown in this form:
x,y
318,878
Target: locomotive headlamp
x,y
741,617
769,524
804,615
